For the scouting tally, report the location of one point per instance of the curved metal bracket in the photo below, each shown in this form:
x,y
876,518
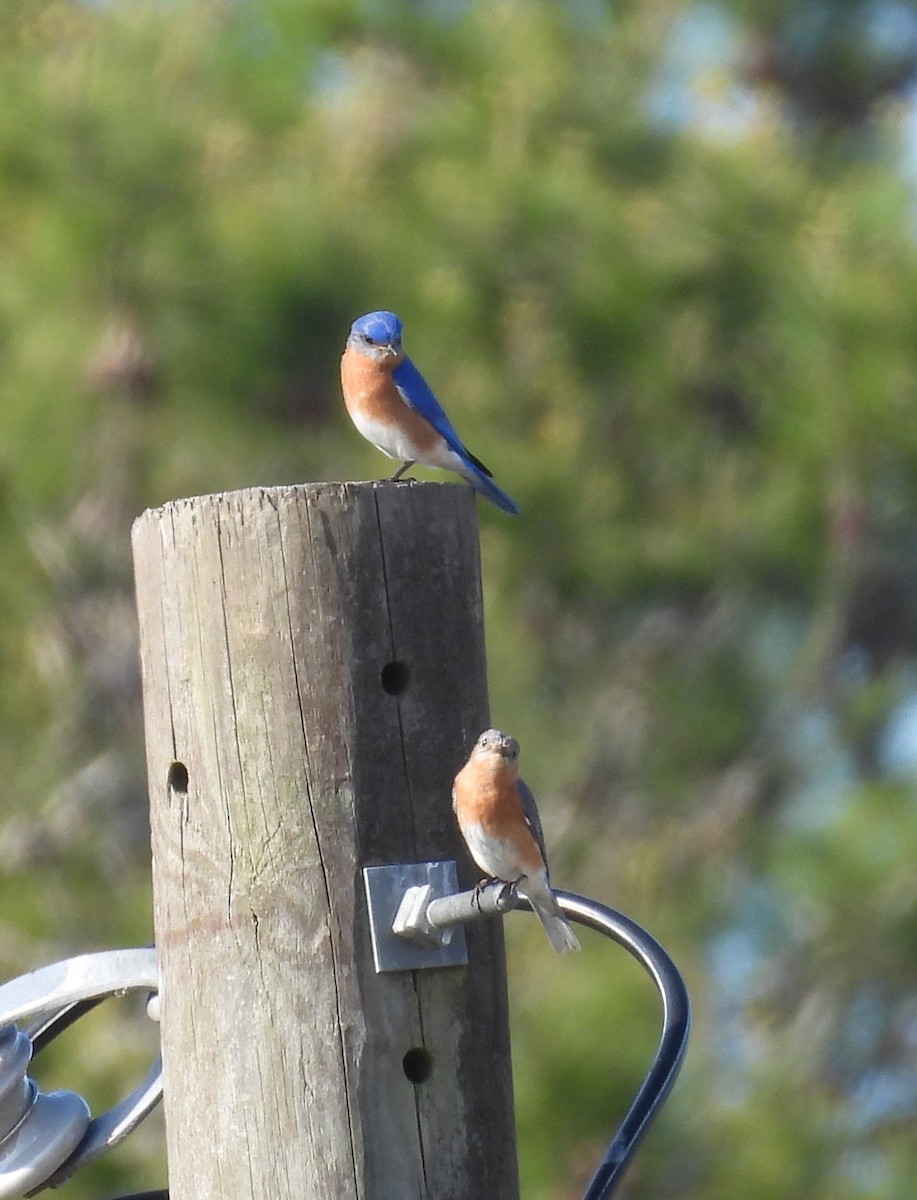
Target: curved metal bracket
x,y
51,998
426,912
676,1009
676,1029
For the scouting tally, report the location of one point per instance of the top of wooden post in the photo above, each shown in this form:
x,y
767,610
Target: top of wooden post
x,y
419,491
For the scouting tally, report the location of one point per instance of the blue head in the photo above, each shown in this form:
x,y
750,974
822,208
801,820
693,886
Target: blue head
x,y
377,335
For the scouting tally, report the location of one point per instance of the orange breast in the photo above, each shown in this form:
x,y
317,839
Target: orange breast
x,y
371,397
486,794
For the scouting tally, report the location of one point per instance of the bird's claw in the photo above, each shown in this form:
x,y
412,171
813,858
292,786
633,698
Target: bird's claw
x,y
478,889
399,474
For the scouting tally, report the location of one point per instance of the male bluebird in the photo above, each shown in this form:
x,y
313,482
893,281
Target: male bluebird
x,y
499,821
392,405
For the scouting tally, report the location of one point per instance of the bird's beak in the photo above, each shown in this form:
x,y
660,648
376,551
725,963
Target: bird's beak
x,y
393,350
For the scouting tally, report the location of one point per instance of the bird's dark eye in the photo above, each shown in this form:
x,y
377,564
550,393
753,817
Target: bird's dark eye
x,y
372,341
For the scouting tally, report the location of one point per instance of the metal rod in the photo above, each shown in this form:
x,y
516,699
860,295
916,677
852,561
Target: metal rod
x,y
676,1028
493,898
488,900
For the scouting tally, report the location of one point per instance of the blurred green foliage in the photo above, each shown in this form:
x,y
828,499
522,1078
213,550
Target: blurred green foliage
x,y
658,260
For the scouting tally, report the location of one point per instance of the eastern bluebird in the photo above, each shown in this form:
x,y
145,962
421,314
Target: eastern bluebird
x,y
499,821
392,405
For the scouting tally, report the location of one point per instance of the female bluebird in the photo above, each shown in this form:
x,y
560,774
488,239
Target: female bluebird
x,y
392,405
499,821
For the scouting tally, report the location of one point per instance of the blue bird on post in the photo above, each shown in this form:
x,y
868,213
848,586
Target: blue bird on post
x,y
392,405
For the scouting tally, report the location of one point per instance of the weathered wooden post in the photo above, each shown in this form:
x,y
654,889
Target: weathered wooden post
x,y
314,674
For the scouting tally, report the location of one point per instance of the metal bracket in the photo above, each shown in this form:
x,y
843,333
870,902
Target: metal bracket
x,y
398,898
53,1139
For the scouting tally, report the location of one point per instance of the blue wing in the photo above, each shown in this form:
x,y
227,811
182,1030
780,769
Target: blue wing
x,y
532,818
417,394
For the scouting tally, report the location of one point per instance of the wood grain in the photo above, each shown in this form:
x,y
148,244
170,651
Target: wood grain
x,y
268,622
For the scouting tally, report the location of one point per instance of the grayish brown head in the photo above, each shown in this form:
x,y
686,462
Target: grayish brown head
x,y
493,741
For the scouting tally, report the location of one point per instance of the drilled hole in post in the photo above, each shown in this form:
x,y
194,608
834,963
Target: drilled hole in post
x,y
395,677
178,778
417,1064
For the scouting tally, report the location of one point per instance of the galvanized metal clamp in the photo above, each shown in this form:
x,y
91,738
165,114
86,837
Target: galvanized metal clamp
x,y
44,1138
416,917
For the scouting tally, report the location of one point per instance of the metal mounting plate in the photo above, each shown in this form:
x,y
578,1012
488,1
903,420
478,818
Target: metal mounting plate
x,y
385,888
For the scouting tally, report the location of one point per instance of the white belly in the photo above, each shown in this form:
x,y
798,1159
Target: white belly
x,y
398,445
498,857
384,437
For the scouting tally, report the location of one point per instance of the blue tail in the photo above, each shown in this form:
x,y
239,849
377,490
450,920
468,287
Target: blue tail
x,y
485,485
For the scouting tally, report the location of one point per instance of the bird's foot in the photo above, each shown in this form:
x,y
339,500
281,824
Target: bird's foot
x,y
478,889
405,466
